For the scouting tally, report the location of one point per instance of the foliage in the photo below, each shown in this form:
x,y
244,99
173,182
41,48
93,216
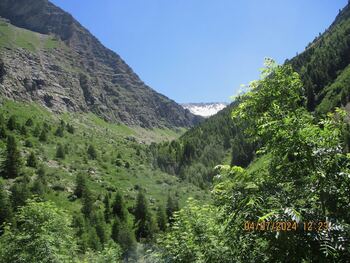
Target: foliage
x,y
42,234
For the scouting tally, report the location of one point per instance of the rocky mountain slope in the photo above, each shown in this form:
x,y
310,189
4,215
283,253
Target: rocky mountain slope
x,y
48,57
204,109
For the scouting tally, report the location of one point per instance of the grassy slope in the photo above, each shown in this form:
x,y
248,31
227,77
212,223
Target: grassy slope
x,y
11,36
110,140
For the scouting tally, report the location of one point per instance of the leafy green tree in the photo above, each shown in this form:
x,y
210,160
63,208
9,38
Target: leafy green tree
x,y
42,234
31,160
12,165
92,154
60,152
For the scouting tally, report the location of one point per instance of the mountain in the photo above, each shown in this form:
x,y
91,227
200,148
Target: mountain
x,y
204,109
46,56
324,67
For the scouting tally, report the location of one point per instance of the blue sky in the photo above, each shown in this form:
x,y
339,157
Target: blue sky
x,y
202,50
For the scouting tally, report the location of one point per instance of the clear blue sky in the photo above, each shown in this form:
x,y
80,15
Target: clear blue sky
x,y
202,50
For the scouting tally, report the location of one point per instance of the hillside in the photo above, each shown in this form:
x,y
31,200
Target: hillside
x,y
46,56
324,69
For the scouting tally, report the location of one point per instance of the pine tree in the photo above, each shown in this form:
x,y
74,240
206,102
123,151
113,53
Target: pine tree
x,y
5,207
87,203
93,239
3,133
145,225
70,128
162,218
12,165
98,221
59,132
119,208
37,131
80,185
32,161
107,205
12,123
23,130
60,153
43,135
29,122
115,230
92,154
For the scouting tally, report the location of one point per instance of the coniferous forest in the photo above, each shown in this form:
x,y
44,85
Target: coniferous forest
x,y
100,179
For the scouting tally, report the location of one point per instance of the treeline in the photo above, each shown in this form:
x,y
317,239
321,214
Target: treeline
x,y
193,156
103,228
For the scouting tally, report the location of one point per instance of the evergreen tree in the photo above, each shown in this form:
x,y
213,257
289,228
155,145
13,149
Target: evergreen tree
x,y
60,153
12,164
59,132
98,221
23,130
93,239
126,239
162,219
145,225
87,203
5,207
12,123
107,205
92,154
37,131
29,122
43,135
3,133
80,185
70,128
115,230
119,208
31,160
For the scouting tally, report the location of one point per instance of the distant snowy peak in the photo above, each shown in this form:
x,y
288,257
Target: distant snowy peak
x,y
204,109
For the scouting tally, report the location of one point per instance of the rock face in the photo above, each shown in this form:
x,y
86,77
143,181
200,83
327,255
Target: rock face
x,y
58,63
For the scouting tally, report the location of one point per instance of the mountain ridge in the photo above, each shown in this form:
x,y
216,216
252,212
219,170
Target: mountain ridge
x,y
79,74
